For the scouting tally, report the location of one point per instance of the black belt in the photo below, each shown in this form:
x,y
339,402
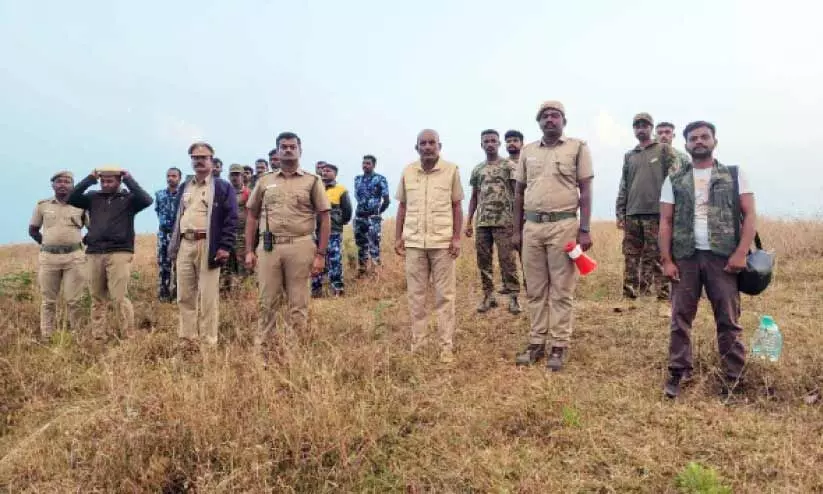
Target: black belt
x,y
60,249
538,217
366,215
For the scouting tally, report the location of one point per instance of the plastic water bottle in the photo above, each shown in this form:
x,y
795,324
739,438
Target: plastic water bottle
x,y
768,341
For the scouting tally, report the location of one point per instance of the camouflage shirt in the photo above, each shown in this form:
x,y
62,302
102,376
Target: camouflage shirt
x,y
495,198
164,206
242,196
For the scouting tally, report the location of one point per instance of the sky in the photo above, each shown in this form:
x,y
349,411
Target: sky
x,y
85,84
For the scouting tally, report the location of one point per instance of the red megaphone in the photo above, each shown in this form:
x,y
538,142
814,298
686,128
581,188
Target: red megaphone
x,y
584,263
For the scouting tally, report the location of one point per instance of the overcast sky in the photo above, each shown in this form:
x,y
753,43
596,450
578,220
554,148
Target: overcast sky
x,y
84,84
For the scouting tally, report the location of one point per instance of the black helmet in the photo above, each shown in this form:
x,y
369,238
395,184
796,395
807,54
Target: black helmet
x,y
758,273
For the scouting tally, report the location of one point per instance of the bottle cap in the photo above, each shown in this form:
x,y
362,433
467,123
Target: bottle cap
x,y
766,320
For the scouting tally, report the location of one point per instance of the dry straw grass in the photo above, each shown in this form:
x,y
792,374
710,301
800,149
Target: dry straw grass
x,y
347,409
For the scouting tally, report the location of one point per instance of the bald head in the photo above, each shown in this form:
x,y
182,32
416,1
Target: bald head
x,y
428,146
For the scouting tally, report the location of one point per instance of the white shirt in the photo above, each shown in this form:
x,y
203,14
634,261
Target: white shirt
x,y
702,177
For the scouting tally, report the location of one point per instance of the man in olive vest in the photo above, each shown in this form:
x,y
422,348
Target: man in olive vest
x,y
638,211
340,215
700,248
61,259
429,221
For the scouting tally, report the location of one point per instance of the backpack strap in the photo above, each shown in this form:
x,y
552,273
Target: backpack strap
x,y
738,214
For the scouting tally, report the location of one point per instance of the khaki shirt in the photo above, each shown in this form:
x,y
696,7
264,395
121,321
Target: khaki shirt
x,y
196,201
286,204
429,197
61,223
552,174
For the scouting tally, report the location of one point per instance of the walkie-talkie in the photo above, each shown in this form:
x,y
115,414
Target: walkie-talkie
x,y
268,238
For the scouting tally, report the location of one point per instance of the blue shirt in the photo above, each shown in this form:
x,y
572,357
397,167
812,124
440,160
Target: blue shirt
x,y
164,202
369,190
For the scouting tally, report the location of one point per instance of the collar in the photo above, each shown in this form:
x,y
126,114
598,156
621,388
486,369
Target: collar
x,y
299,172
639,148
330,184
55,200
560,140
207,181
436,167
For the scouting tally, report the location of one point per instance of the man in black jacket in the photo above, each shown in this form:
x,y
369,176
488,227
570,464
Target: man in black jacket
x,y
110,242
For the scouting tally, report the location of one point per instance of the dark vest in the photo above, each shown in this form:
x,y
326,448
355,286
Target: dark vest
x,y
721,214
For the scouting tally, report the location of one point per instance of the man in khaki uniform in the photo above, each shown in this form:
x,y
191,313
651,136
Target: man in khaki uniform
x,y
554,178
429,221
287,204
204,233
61,253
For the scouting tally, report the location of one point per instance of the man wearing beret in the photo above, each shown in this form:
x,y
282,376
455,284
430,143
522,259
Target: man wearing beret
x,y
234,272
110,243
554,180
204,232
61,253
638,211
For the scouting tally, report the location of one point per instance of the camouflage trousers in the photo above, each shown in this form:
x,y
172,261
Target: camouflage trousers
x,y
642,255
166,287
486,238
233,273
367,232
334,265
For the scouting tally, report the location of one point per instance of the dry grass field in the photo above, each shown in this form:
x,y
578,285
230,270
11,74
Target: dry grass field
x,y
347,409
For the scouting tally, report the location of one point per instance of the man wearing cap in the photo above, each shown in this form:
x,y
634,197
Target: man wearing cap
x,y
492,183
61,257
287,204
234,272
339,216
429,222
110,242
371,191
638,211
554,179
665,134
165,201
204,233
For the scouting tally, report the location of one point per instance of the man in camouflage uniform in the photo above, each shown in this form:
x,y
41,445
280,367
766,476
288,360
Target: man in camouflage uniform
x,y
164,206
493,194
665,134
371,191
61,259
638,209
340,215
234,272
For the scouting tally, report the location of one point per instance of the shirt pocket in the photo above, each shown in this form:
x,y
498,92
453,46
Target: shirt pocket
x,y
75,220
413,192
187,198
565,165
273,196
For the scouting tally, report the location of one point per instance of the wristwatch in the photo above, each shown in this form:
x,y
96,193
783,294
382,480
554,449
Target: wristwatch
x,y
320,253
584,229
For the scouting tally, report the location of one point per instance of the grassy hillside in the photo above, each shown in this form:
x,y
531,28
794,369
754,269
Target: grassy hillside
x,y
348,409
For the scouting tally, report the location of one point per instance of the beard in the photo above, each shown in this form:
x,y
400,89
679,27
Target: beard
x,y
700,153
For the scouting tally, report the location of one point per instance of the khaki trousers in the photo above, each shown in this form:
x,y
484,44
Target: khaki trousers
x,y
420,265
198,294
109,280
58,271
283,277
550,280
